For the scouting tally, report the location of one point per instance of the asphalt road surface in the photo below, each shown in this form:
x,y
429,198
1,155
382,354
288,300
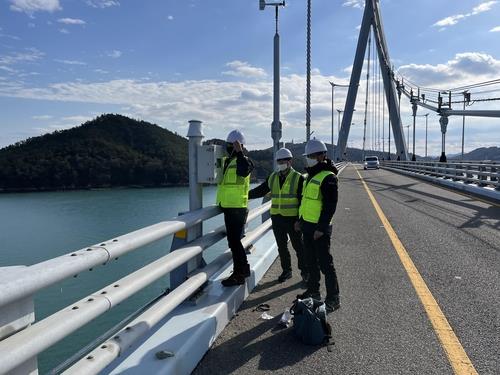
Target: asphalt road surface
x,y
383,327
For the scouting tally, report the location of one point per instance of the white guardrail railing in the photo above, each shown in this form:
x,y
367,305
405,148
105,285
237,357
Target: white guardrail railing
x,y
467,175
27,343
22,339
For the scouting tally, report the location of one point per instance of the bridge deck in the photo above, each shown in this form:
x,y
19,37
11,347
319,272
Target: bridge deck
x,y
382,327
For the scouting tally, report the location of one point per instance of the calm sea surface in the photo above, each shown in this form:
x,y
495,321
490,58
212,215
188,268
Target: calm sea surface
x,y
39,226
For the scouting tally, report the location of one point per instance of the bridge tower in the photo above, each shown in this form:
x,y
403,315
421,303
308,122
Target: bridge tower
x,y
372,19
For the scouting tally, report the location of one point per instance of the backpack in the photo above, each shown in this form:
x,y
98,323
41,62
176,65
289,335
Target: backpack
x,y
309,322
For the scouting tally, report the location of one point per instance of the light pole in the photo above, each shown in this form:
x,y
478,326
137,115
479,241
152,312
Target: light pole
x,y
466,100
414,108
276,126
426,122
408,134
338,123
333,107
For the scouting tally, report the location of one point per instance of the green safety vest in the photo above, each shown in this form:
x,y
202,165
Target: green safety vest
x,y
284,199
312,199
232,191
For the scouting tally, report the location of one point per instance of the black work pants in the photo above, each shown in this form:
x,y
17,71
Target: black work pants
x,y
283,228
235,219
319,258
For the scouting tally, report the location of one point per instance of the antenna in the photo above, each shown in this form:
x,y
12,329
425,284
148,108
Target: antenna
x,y
263,4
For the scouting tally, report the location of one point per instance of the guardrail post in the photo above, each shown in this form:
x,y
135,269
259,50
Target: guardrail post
x,y
482,178
467,173
494,178
15,317
178,276
458,172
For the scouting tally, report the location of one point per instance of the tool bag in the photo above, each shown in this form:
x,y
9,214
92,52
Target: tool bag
x,y
309,322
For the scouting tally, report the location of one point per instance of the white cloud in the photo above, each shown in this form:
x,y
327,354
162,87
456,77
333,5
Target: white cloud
x,y
244,69
71,21
42,117
102,3
483,7
70,62
465,68
32,6
495,29
360,4
247,104
453,20
115,54
170,18
64,31
29,55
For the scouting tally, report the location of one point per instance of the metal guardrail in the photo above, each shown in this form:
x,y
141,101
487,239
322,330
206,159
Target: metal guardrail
x,y
34,339
23,346
481,174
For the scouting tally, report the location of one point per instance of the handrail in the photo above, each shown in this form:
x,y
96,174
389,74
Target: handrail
x,y
487,174
104,354
38,337
41,275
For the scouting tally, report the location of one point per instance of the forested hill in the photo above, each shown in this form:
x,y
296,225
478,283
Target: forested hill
x,y
111,150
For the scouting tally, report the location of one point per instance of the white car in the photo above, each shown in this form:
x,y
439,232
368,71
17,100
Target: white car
x,y
371,162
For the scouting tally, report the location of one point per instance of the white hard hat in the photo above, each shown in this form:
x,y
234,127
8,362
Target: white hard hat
x,y
283,153
313,146
235,135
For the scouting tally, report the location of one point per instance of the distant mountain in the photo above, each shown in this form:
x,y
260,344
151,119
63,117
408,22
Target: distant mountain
x,y
111,150
114,150
483,153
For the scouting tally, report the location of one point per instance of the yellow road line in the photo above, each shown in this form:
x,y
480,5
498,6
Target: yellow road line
x,y
457,357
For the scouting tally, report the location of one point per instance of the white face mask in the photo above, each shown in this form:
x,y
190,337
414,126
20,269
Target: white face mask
x,y
281,167
311,162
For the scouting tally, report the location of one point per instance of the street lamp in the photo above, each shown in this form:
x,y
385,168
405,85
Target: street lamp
x,y
333,109
414,110
426,121
466,95
276,126
408,136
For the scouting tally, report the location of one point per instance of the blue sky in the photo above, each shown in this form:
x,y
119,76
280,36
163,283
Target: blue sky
x,y
66,61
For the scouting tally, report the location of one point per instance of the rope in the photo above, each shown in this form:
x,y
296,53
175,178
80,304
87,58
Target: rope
x,y
308,69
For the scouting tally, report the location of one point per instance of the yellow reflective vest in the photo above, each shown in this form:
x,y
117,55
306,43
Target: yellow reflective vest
x,y
232,191
312,199
284,198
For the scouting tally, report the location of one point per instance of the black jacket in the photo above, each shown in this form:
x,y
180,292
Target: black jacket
x,y
263,188
329,190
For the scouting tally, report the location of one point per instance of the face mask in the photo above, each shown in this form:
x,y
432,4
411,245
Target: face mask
x,y
282,167
311,162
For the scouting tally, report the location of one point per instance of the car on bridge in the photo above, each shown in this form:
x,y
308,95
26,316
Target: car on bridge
x,y
371,162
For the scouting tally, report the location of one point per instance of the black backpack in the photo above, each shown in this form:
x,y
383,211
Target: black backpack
x,y
309,322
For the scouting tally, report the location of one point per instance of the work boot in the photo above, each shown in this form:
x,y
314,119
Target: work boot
x,y
245,272
332,304
305,279
235,278
285,275
310,294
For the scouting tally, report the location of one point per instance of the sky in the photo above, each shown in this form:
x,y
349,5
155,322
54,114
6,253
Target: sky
x,y
63,62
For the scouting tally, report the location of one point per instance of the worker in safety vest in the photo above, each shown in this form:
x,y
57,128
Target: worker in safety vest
x,y
232,197
319,201
285,186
